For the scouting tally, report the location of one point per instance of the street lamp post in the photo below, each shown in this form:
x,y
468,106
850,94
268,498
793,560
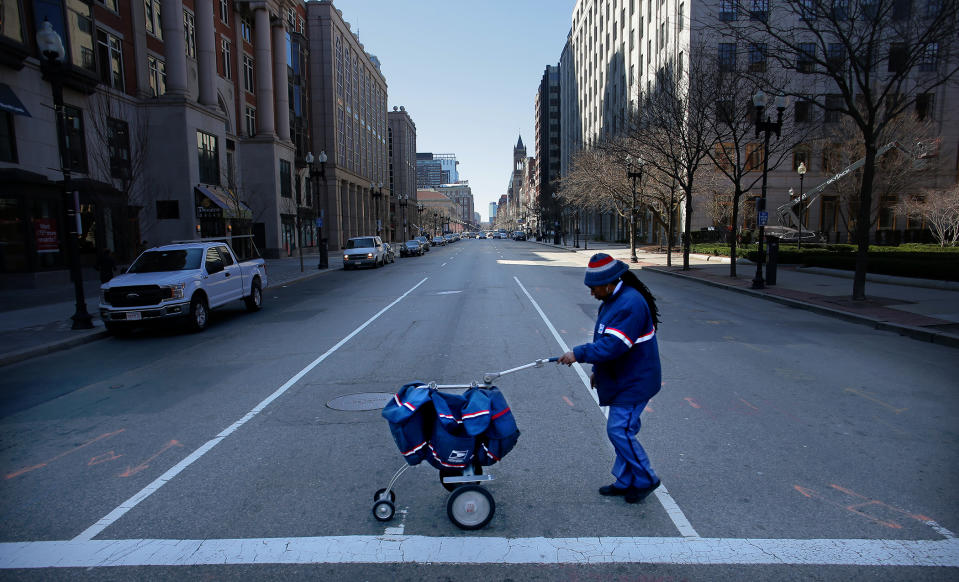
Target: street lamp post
x,y
51,47
403,203
632,205
764,125
434,224
376,191
801,170
321,159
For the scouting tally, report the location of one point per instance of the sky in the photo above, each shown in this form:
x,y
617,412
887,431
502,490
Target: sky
x,y
467,73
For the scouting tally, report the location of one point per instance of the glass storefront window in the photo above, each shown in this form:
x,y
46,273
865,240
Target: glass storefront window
x,y
13,256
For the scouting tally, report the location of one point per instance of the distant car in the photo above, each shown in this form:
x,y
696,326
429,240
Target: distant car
x,y
440,241
389,255
411,248
425,242
489,235
519,235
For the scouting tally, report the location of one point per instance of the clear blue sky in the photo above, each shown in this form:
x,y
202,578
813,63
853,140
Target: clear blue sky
x,y
467,73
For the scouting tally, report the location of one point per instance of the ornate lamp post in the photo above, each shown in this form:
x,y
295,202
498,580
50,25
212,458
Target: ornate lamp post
x,y
801,170
632,205
376,191
764,125
51,47
321,160
403,204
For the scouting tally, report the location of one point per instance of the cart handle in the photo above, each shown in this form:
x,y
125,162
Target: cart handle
x,y
489,377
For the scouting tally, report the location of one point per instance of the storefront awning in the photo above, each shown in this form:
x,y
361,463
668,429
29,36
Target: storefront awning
x,y
10,102
216,202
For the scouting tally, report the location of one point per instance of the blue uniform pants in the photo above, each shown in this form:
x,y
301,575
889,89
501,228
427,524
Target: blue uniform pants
x,y
631,467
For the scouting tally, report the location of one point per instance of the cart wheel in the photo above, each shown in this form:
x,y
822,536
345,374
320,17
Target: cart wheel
x,y
470,507
383,510
376,496
477,470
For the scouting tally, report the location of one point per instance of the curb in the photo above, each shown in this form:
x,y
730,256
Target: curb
x,y
918,333
15,357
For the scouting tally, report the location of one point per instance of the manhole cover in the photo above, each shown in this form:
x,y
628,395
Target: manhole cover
x,y
365,401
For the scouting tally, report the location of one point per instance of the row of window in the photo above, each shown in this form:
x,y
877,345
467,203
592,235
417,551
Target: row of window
x,y
835,57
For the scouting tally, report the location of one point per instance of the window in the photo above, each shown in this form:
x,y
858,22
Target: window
x,y
682,16
724,153
759,10
727,10
924,106
802,111
75,156
834,106
226,49
828,214
250,121
870,9
898,57
831,158
727,56
8,139
157,76
840,9
109,4
110,57
286,190
754,157
726,110
208,158
933,8
118,141
249,81
807,56
168,210
225,12
901,9
246,31
189,34
929,60
836,57
153,22
887,211
807,9
757,57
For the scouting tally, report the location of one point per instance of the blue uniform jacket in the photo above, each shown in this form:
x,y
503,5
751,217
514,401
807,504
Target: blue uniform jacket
x,y
624,351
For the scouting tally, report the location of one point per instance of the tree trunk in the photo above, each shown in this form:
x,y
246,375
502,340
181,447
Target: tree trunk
x,y
863,222
734,232
688,222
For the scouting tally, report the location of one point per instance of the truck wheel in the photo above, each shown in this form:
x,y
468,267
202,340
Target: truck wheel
x,y
199,314
255,300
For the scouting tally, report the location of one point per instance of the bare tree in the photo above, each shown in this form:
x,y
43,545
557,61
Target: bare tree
x,y
938,210
674,127
868,60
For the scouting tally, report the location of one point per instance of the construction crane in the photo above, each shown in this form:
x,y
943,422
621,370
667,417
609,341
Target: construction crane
x,y
788,214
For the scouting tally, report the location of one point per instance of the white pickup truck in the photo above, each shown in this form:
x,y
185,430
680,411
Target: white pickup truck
x,y
182,281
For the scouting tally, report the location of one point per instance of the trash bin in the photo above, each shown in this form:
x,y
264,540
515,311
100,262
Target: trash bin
x,y
772,258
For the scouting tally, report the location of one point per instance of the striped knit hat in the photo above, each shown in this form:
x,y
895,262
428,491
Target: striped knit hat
x,y
603,270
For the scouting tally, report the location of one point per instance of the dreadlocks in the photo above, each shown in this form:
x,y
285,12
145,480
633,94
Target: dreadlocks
x,y
631,280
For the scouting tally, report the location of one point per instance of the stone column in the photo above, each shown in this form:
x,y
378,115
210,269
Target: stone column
x,y
281,82
174,44
205,52
264,72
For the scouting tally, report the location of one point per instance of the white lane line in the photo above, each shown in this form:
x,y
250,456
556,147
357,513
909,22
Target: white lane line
x,y
479,550
113,516
669,504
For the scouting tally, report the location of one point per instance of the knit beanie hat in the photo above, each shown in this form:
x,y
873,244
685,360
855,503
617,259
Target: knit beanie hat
x,y
603,270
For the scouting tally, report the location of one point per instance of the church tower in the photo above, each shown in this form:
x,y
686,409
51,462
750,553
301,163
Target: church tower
x,y
516,182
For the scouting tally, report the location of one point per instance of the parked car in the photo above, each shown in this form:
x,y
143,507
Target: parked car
x,y
364,250
389,255
440,241
519,235
411,248
425,242
183,281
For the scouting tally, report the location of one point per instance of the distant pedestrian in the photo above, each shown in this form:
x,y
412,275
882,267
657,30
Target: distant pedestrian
x,y
626,368
106,265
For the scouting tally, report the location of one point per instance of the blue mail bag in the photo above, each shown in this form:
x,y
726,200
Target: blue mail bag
x,y
411,417
460,419
502,434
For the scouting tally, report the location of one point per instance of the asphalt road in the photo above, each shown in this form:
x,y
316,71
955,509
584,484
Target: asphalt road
x,y
791,445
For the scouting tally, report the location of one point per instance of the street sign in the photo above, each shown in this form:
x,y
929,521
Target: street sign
x,y
319,223
763,218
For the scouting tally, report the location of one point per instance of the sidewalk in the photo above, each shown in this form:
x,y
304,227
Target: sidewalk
x,y
923,309
37,321
34,322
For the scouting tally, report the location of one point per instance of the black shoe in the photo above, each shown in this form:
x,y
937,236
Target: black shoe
x,y
609,490
637,494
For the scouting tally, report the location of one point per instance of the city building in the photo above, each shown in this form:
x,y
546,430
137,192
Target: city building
x,y
435,169
402,155
437,212
462,197
616,51
548,154
349,123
